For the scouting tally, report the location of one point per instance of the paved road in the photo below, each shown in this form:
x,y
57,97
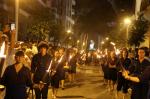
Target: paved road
x,y
88,85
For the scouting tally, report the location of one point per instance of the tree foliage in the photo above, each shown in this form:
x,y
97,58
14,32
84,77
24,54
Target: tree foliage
x,y
43,25
138,31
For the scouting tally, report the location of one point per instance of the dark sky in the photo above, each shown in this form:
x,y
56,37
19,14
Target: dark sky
x,y
100,16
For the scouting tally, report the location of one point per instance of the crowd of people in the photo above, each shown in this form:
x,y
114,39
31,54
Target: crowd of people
x,y
38,66
34,66
128,70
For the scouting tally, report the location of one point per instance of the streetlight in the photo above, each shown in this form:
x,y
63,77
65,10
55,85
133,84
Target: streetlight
x,y
127,22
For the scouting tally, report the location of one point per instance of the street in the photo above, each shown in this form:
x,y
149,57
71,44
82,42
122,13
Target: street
x,y
88,85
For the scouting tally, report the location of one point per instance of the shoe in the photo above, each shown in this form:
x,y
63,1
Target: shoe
x,y
63,88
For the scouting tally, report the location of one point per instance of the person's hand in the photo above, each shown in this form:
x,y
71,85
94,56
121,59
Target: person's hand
x,y
125,74
13,31
41,85
2,88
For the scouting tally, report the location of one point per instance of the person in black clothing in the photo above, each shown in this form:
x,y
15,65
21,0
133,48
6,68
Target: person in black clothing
x,y
145,77
16,78
139,90
39,67
73,65
104,66
112,69
55,74
61,67
122,83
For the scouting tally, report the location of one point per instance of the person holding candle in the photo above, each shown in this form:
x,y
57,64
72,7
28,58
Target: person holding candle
x,y
139,75
9,51
39,67
61,68
73,64
55,73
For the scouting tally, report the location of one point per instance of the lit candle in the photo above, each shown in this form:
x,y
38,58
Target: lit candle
x,y
60,59
70,57
50,65
2,51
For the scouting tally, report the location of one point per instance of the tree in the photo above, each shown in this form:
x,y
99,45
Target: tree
x,y
138,31
43,25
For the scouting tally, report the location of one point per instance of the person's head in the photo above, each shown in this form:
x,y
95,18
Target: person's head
x,y
19,57
56,54
141,53
131,55
4,37
125,54
43,46
112,54
61,51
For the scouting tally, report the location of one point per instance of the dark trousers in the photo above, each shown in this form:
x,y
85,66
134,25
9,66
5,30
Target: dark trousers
x,y
139,91
122,83
41,94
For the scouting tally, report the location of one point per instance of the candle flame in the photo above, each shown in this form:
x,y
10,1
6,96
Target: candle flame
x,y
2,50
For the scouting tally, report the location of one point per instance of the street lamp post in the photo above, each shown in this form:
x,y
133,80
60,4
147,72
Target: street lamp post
x,y
17,18
127,22
102,44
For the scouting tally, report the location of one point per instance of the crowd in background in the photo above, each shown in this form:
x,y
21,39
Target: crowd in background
x,y
40,65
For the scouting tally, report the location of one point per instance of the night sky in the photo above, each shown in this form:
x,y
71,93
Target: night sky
x,y
100,16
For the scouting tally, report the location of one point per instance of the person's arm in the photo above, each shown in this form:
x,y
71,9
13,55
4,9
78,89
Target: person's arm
x,y
4,77
134,79
145,76
29,80
33,66
12,39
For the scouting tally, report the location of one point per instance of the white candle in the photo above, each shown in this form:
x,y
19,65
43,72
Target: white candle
x,y
2,51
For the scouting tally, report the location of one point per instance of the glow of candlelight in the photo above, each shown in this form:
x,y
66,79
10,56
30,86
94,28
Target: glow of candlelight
x,y
2,50
50,65
70,57
60,59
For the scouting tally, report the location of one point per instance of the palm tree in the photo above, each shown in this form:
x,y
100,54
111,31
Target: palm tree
x,y
138,31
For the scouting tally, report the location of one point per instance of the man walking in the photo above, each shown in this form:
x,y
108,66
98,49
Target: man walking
x,y
39,67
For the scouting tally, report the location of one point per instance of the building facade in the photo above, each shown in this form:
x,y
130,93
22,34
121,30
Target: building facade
x,y
64,13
